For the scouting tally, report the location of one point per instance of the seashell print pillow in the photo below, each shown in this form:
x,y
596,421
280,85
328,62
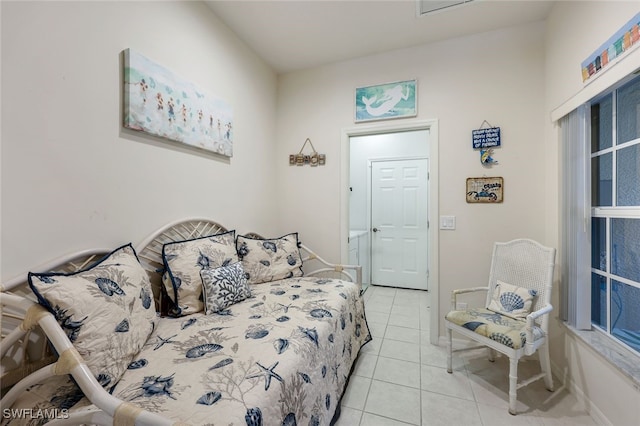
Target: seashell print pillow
x,y
512,301
106,310
183,261
223,287
266,260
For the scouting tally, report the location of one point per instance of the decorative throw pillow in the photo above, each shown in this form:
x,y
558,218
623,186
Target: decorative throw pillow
x,y
223,287
183,261
107,310
511,300
266,260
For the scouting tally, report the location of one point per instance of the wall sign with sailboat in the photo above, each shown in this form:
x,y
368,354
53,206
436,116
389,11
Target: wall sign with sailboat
x,y
386,101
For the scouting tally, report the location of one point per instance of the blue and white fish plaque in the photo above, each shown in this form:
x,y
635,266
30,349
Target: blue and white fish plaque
x,y
486,138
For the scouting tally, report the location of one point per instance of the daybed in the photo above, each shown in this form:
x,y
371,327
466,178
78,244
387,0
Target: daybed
x,y
253,340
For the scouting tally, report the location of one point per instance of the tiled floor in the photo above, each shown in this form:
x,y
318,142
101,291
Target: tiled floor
x,y
401,379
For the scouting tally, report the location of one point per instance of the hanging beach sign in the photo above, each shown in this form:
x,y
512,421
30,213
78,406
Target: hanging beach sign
x,y
486,138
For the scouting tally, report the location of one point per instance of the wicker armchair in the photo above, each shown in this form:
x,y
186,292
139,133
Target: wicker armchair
x,y
515,333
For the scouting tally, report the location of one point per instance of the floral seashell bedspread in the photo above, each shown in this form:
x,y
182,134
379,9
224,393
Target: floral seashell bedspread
x,y
283,356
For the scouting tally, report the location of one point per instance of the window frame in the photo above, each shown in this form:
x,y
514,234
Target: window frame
x,y
608,213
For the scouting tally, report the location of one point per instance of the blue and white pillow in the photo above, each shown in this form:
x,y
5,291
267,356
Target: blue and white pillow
x,y
510,300
223,287
183,261
266,260
107,310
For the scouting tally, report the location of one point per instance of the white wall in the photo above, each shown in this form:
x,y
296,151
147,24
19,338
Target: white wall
x,y
574,31
496,76
72,178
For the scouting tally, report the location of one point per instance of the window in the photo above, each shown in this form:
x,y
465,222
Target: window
x,y
615,214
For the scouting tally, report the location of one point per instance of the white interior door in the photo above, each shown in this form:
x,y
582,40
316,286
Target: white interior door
x,y
399,232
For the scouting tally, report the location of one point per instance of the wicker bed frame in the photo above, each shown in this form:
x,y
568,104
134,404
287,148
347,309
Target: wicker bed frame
x,y
31,336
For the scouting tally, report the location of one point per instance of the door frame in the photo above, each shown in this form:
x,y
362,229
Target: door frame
x,y
433,210
370,204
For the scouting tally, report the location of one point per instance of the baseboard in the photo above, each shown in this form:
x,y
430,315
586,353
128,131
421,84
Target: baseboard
x,y
588,405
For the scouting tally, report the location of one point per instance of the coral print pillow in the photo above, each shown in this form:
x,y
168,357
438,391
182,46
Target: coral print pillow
x,y
106,310
511,300
183,261
266,260
223,287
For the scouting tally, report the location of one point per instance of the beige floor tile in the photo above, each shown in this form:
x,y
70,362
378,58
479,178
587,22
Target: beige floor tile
x,y
404,334
382,290
349,417
369,419
555,408
574,420
375,316
425,322
400,378
497,416
412,310
396,371
400,350
406,302
442,410
436,379
355,396
381,296
379,305
494,391
377,329
365,365
490,382
394,401
409,320
434,355
437,357
373,347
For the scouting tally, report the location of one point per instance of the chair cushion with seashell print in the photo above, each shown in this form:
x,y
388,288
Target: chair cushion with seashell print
x,y
501,328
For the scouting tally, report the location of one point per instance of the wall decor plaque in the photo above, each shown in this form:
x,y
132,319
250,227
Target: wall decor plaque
x,y
485,190
386,101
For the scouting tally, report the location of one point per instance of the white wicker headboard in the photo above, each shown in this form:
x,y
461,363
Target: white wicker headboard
x,y
150,249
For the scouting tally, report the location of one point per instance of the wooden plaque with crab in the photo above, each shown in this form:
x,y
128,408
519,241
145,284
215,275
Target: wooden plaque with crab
x,y
485,190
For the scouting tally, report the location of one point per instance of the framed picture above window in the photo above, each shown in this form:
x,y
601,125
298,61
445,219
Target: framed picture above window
x,y
386,101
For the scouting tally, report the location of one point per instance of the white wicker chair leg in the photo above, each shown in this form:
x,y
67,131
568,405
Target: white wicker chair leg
x,y
513,385
449,351
545,366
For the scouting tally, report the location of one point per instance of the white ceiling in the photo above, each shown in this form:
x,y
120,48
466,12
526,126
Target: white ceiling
x,y
297,34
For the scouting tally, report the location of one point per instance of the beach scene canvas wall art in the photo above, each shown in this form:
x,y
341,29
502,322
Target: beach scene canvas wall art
x,y
158,102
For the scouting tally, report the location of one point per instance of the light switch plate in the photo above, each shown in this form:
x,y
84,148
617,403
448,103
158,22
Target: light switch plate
x,y
448,222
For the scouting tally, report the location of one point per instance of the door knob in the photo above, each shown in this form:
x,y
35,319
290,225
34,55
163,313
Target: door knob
x,y
375,230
